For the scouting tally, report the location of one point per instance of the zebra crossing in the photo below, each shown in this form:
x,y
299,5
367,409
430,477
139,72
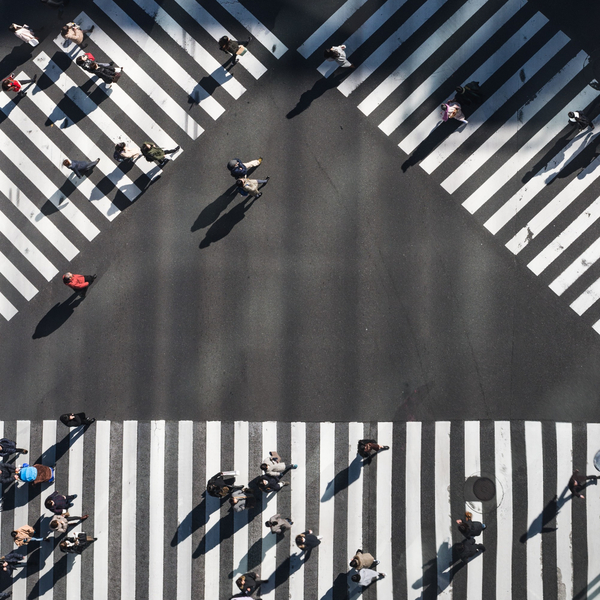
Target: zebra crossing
x,y
175,86
517,166
159,536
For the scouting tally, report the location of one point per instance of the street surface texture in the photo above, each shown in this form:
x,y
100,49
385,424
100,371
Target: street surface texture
x,y
159,537
358,286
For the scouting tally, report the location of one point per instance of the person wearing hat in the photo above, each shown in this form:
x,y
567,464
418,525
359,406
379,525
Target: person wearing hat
x,y
79,283
35,474
152,152
56,502
239,169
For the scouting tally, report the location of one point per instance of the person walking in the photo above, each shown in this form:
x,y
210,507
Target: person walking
x,y
57,503
7,473
470,528
273,465
271,483
365,577
249,583
307,540
242,499
123,152
72,31
10,84
468,549
363,560
577,483
61,523
152,152
35,474
23,535
11,561
106,71
222,484
239,169
338,54
234,48
279,525
79,283
80,167
579,119
76,419
8,447
468,93
250,186
76,545
452,110
369,448
24,33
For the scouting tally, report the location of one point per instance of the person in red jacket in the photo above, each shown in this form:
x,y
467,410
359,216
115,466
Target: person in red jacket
x,y
79,283
10,84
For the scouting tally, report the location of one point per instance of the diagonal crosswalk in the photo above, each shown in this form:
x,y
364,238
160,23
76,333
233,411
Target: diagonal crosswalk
x,y
159,536
71,113
517,166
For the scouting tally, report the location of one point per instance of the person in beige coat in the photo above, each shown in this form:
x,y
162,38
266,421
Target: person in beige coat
x,y
72,31
278,524
250,186
24,535
24,33
60,523
363,560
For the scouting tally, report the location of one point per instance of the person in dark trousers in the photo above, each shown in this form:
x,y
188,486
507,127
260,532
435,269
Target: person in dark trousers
x,y
468,549
7,473
242,500
76,545
468,93
222,484
233,47
61,523
273,465
278,524
10,84
271,483
76,419
124,152
338,54
106,71
5,595
369,448
249,583
11,561
80,167
577,483
307,540
8,447
363,560
251,186
239,169
152,152
470,528
366,577
24,534
56,502
79,283
579,119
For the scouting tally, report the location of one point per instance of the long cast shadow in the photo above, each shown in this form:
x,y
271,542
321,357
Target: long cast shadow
x,y
195,519
547,515
227,222
343,479
318,89
49,579
428,145
211,212
56,317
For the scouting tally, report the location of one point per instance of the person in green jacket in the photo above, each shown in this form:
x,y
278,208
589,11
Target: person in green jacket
x,y
152,152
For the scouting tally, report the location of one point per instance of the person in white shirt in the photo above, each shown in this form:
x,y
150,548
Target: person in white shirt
x,y
24,33
366,577
338,53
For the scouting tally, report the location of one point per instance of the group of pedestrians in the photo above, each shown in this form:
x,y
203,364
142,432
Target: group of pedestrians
x,y
58,504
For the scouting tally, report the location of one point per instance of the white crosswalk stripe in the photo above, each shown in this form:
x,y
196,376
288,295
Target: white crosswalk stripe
x,y
515,166
154,103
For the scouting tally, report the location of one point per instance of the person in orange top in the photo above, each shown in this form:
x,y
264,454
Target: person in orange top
x,y
79,283
24,535
10,84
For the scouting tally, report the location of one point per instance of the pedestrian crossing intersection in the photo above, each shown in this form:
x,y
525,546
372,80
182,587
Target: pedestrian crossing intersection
x,y
176,83
517,166
159,536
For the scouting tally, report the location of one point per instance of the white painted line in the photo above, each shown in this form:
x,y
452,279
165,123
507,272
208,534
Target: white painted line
x,y
363,33
30,211
26,248
46,187
195,50
377,58
535,505
101,509
298,506
241,442
185,505
134,72
596,326
129,509
472,449
491,65
576,269
354,516
504,512
217,31
443,511
486,111
162,58
75,487
156,494
326,511
55,155
16,278
212,563
587,298
46,591
269,549
271,42
7,310
420,55
412,527
592,512
21,511
513,126
435,81
383,531
516,163
564,542
321,35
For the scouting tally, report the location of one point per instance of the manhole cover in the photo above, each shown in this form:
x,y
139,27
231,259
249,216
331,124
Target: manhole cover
x,y
484,489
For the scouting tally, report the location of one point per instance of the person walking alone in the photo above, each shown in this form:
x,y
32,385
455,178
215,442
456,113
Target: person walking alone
x,y
81,167
233,47
363,560
79,283
24,33
579,119
338,54
369,448
279,525
249,583
10,84
76,419
11,561
306,541
577,483
152,152
452,110
7,473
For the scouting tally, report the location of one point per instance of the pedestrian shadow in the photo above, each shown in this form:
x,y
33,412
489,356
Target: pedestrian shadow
x,y
557,150
220,531
223,226
547,515
288,567
51,578
586,593
427,146
211,212
432,584
318,89
252,559
196,518
18,56
56,316
339,589
53,454
343,479
207,85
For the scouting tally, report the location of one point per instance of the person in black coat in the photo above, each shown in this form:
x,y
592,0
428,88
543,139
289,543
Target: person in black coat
x,y
11,561
270,483
469,549
579,119
221,485
577,483
249,583
470,528
8,447
369,448
56,502
7,473
307,541
75,419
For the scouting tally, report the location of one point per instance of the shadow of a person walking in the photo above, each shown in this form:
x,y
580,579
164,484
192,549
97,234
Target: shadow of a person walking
x,y
227,222
343,479
211,212
317,90
56,316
